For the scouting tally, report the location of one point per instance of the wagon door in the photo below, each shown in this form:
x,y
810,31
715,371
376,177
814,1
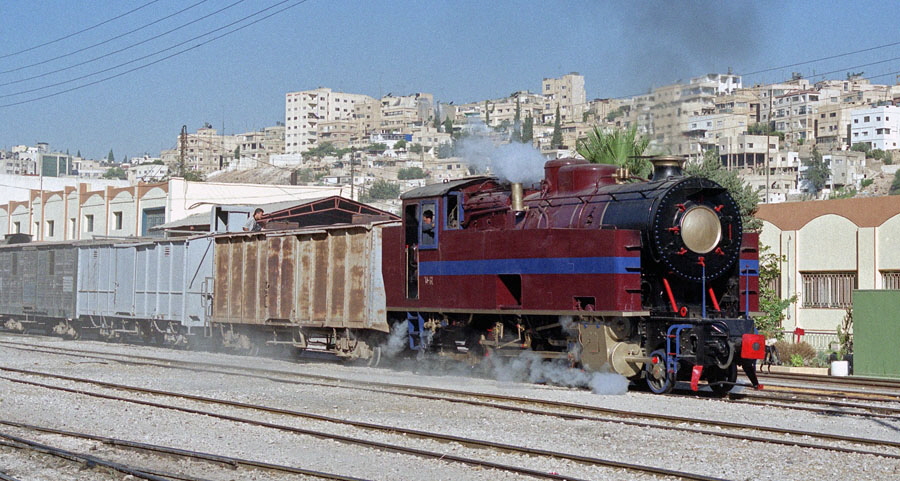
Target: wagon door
x,y
280,277
123,298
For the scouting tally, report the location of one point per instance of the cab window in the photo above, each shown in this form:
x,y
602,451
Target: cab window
x,y
453,215
428,226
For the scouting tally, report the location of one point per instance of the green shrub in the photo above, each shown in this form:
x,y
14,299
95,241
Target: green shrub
x,y
796,360
787,352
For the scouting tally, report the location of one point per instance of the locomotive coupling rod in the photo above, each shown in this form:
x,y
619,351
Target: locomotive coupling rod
x,y
637,359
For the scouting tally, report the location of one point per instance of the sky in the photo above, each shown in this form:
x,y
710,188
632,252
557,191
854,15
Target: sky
x,y
92,76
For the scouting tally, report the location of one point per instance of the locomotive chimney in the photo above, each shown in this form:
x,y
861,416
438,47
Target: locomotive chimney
x,y
518,197
665,166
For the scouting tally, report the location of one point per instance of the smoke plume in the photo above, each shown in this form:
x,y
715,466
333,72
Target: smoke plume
x,y
512,162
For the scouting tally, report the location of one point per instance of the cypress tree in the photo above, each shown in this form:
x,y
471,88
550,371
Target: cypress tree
x,y
517,121
528,130
556,139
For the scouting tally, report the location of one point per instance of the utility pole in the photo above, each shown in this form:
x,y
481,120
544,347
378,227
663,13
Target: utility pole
x,y
768,160
352,177
182,141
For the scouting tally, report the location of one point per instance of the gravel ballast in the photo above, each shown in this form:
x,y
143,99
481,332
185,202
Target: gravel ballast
x,y
710,455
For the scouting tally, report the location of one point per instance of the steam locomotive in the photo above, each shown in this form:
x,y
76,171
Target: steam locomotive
x,y
654,280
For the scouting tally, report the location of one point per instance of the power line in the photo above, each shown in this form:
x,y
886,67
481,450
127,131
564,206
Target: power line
x,y
822,58
140,67
151,2
102,43
121,50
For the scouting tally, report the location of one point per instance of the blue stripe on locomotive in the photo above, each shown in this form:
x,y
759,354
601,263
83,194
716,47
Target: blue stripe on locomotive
x,y
749,267
552,265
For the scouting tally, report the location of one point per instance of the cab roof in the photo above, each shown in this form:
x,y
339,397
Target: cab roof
x,y
442,188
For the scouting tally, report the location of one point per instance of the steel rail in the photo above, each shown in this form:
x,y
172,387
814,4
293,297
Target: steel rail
x,y
6,477
586,460
555,404
881,412
184,453
92,460
845,380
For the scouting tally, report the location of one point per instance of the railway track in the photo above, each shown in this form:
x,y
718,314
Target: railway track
x,y
228,462
90,461
775,396
361,440
861,382
788,437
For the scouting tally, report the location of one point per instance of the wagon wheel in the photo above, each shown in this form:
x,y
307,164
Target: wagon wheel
x,y
375,359
659,380
716,374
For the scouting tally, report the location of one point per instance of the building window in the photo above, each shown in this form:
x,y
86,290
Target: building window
x,y
89,223
117,219
866,118
890,280
152,218
829,290
50,228
17,228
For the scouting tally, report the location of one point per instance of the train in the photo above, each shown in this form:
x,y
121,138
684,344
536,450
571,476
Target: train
x,y
653,279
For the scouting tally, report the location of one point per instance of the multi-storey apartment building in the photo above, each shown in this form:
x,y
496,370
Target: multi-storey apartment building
x,y
767,94
367,116
568,93
430,139
400,114
665,114
261,144
796,113
502,111
706,132
204,151
306,110
833,127
877,127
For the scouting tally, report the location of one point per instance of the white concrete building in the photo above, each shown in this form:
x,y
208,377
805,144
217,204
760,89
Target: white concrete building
x,y
148,172
77,212
832,247
305,110
878,127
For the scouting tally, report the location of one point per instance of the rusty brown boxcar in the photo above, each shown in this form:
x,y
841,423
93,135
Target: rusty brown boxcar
x,y
310,288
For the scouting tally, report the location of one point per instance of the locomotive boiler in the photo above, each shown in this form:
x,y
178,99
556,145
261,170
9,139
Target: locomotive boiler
x,y
649,279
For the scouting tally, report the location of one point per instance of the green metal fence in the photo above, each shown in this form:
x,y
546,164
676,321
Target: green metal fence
x,y
876,331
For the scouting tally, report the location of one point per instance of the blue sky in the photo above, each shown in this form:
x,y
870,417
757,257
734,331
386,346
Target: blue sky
x,y
460,51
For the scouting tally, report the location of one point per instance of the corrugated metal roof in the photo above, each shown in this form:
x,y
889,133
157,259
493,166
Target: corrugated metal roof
x,y
437,190
200,222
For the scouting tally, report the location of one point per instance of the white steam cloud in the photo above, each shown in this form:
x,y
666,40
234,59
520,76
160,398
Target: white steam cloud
x,y
513,162
530,367
398,340
527,367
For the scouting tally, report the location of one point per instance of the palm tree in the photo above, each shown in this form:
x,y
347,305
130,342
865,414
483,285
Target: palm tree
x,y
617,147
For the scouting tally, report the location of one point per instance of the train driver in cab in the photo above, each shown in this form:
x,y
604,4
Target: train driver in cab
x,y
428,227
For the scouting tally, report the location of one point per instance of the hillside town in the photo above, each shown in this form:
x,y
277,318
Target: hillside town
x,y
769,134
